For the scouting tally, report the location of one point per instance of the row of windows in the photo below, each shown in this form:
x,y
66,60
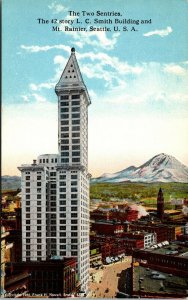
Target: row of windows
x,y
74,147
66,109
66,160
74,116
76,153
67,128
46,160
66,122
66,97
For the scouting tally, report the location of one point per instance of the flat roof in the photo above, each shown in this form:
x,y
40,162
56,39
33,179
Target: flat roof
x,y
152,281
172,249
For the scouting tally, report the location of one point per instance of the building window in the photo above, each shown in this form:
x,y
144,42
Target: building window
x,y
62,202
38,215
64,142
64,116
74,253
27,227
28,222
74,176
74,202
74,234
64,129
75,128
27,177
39,234
28,241
38,183
75,147
27,183
38,196
62,215
74,247
76,109
74,227
75,122
64,148
65,160
76,141
65,97
39,253
66,122
77,153
63,253
75,116
28,216
62,234
62,246
28,247
62,227
38,202
75,97
64,109
74,221
63,241
38,177
74,208
27,203
75,134
27,197
27,253
62,208
74,241
39,221
73,196
62,221
62,183
76,160
27,209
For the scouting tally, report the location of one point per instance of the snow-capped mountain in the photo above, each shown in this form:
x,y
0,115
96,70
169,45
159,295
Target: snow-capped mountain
x,y
161,168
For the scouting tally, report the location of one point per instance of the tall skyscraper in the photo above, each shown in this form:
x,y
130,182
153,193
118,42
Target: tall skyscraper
x,y
55,188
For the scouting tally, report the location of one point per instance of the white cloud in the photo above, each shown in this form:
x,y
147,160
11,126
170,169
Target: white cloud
x,y
175,69
57,8
98,39
38,87
36,48
25,98
162,32
39,98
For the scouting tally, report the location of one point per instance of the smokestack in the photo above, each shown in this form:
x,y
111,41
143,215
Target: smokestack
x,y
160,205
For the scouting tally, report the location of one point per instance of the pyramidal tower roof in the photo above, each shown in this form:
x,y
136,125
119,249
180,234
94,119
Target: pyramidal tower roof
x,y
71,77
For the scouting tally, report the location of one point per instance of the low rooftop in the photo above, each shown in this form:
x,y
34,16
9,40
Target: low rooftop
x,y
150,281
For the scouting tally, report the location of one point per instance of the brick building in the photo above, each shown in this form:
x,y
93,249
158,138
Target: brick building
x,y
46,277
164,232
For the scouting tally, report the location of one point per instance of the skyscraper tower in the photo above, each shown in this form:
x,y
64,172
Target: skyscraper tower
x,y
160,204
55,188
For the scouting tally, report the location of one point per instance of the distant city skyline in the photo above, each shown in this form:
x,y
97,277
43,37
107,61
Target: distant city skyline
x,y
137,81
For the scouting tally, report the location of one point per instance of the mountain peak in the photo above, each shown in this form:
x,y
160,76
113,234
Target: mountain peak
x,y
160,168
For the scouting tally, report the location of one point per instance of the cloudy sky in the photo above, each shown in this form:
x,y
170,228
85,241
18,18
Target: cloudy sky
x,y
137,79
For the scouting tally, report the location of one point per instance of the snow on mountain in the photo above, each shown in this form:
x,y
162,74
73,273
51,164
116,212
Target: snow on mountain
x,y
161,168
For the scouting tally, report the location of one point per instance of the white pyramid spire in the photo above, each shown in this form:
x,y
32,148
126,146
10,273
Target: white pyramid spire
x,y
71,77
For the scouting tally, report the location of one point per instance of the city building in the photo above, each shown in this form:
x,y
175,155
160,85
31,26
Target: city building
x,y
5,249
56,277
160,271
55,188
164,232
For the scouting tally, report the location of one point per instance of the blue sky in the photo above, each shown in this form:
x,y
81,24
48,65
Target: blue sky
x,y
137,80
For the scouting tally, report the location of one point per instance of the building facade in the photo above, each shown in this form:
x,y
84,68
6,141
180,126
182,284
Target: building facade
x,y
55,188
